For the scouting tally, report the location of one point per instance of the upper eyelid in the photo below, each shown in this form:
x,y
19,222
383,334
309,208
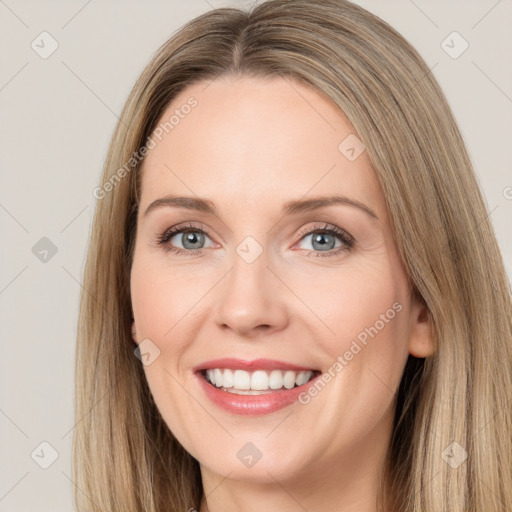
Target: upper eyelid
x,y
325,226
196,226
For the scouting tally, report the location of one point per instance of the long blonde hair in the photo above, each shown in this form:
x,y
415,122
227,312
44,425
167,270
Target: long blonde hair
x,y
125,457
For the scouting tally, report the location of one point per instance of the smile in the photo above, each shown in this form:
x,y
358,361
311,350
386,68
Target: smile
x,y
258,382
253,388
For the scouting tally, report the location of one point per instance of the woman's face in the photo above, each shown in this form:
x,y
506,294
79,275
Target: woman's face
x,y
269,269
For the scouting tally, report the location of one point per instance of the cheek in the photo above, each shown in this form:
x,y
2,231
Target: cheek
x,y
364,359
162,303
162,298
353,300
367,308
366,312
167,302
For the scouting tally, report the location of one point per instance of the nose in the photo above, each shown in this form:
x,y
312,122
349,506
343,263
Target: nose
x,y
252,300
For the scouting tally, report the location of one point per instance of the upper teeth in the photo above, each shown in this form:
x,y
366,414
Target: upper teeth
x,y
257,380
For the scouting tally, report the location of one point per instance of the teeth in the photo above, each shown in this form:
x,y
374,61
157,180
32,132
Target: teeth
x,y
242,380
259,380
217,375
289,379
276,379
228,379
248,383
301,379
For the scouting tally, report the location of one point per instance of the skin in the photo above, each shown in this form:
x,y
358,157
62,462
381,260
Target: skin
x,y
248,139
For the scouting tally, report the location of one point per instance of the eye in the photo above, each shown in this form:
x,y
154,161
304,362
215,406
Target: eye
x,y
191,238
326,239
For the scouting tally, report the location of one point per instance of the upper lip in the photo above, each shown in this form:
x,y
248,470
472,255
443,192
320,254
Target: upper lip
x,y
255,364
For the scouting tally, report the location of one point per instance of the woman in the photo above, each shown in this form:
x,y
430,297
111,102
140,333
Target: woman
x,y
221,364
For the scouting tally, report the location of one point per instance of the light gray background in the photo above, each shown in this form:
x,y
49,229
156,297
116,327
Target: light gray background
x,y
57,118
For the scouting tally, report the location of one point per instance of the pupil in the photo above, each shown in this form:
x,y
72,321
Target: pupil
x,y
320,238
192,238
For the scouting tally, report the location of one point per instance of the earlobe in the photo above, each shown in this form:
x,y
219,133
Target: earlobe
x,y
421,341
134,332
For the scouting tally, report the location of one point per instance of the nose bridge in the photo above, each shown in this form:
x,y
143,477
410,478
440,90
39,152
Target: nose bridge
x,y
250,297
250,263
249,275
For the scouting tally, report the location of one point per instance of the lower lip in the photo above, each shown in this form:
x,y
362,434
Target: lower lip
x,y
252,405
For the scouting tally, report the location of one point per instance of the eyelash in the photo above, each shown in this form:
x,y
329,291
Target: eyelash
x,y
347,240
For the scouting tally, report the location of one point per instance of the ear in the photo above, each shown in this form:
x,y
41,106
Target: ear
x,y
421,342
134,332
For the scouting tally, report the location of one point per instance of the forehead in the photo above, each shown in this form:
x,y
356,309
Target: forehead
x,y
254,138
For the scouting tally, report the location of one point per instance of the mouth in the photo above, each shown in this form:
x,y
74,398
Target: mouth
x,y
253,388
257,382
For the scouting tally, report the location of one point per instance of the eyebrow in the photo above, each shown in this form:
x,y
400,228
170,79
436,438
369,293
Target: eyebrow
x,y
289,208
